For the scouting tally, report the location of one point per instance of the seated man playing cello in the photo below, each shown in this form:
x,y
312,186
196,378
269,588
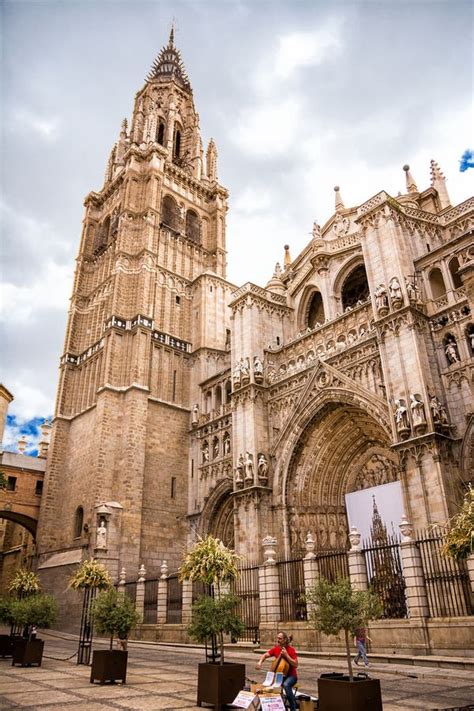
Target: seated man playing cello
x,y
286,661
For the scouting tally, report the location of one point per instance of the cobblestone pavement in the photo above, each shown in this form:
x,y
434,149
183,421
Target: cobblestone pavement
x,y
164,678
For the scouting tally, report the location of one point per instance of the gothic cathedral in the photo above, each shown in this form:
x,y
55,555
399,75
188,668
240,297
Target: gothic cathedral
x,y
188,405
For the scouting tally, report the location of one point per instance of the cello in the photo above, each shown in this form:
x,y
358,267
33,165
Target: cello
x,y
280,665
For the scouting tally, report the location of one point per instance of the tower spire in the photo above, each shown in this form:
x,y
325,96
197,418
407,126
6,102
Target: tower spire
x,y
339,204
410,182
438,181
169,65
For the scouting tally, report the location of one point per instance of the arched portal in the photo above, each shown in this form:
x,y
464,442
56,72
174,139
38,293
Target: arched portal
x,y
342,447
218,514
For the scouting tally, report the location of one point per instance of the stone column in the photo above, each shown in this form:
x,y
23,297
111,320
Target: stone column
x,y
140,597
269,583
122,581
187,602
310,567
357,566
415,590
470,568
162,594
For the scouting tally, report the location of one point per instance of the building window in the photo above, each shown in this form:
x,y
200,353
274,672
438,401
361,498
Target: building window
x,y
161,133
78,521
173,487
193,227
315,310
170,213
11,483
173,397
39,488
355,289
177,143
453,268
437,285
178,300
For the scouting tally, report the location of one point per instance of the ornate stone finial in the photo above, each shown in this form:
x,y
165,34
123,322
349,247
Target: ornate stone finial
x,y
22,442
354,537
410,183
171,39
164,569
122,577
141,574
438,181
211,161
287,258
339,204
43,444
406,529
310,545
123,128
269,552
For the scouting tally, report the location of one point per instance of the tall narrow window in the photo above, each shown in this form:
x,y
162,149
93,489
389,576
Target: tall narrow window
x,y
177,143
78,521
161,133
173,487
437,285
453,268
174,386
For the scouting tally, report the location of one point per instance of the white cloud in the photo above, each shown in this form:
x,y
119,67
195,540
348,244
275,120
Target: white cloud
x,y
50,288
268,130
253,198
30,400
24,120
305,49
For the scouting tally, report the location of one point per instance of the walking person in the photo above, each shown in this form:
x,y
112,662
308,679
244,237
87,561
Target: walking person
x,y
287,661
360,640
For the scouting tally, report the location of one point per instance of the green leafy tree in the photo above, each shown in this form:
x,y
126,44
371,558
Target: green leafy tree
x,y
39,610
91,574
459,542
210,562
5,610
336,607
114,614
24,583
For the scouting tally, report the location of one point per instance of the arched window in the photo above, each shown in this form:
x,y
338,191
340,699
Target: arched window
x,y
193,227
315,310
470,338
160,133
208,401
170,213
355,289
101,236
78,521
228,391
177,143
437,285
218,397
453,268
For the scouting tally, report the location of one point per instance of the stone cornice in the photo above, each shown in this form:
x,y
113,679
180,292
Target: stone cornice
x,y
259,294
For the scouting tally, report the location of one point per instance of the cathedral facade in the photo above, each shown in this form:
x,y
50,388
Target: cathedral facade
x,y
187,404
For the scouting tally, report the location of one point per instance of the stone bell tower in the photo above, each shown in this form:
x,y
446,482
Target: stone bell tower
x,y
152,238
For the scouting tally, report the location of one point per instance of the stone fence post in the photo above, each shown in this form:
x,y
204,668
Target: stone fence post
x,y
162,603
310,567
415,589
140,596
470,568
186,614
122,581
357,566
269,583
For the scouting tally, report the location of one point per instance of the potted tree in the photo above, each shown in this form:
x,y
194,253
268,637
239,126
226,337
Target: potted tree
x,y
214,615
6,640
114,614
334,608
31,612
90,577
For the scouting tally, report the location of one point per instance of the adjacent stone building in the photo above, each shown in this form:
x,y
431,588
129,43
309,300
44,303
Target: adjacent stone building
x,y
187,404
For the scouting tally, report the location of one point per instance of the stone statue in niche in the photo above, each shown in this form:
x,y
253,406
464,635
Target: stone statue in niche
x,y
257,368
101,535
195,415
413,292
205,453
248,467
226,446
215,449
236,374
451,350
239,475
262,468
401,416
381,299
245,369
395,292
417,412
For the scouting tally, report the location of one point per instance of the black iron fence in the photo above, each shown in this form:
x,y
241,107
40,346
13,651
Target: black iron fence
x,y
333,564
385,576
174,606
246,587
292,590
130,589
447,581
151,602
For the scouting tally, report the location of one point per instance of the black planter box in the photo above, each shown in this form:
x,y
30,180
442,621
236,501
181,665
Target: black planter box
x,y
27,652
109,665
219,684
337,692
6,645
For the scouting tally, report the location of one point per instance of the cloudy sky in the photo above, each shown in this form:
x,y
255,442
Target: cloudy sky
x,y
299,96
